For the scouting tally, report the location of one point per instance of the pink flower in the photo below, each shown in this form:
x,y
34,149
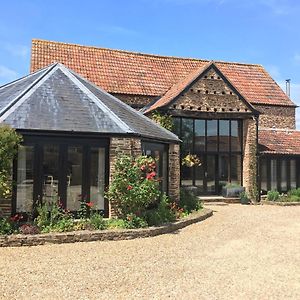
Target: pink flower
x,y
129,188
151,175
90,204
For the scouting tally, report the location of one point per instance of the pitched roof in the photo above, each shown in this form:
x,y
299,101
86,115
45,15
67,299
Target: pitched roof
x,y
177,89
56,98
125,72
279,141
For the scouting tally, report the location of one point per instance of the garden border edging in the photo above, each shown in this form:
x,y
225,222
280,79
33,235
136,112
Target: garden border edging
x,y
279,203
101,235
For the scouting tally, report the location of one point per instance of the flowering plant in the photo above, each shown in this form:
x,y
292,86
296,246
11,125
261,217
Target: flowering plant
x,y
134,185
191,160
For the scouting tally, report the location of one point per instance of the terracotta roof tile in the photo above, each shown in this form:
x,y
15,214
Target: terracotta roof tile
x,y
126,72
274,141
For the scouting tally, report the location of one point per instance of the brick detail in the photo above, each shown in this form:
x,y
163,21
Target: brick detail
x,y
250,161
278,116
210,94
174,172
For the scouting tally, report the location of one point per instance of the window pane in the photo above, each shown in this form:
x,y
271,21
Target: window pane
x,y
50,172
235,135
199,174
97,179
25,179
187,135
283,175
236,169
186,174
74,177
263,176
212,135
224,135
273,174
293,173
210,174
223,170
176,127
199,135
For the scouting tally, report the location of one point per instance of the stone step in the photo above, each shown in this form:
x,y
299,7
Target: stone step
x,y
211,199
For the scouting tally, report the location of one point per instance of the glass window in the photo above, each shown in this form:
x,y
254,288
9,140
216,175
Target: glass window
x,y
273,174
236,168
224,135
212,135
293,173
199,174
187,135
211,174
97,179
283,177
176,127
199,135
264,176
223,169
74,177
25,179
235,135
50,172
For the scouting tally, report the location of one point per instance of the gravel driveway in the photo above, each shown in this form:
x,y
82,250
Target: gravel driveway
x,y
242,252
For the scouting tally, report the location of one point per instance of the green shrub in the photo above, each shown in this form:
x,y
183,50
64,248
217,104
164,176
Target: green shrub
x,y
52,217
162,214
132,221
294,198
163,120
6,227
116,224
97,222
9,142
188,201
244,198
134,185
273,195
294,192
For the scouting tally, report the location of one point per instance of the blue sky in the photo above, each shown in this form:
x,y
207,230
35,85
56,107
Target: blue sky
x,y
265,32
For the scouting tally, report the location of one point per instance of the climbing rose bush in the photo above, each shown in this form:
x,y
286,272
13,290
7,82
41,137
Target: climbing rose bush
x,y
135,184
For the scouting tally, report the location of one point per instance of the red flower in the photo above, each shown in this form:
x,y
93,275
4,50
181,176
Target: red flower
x,y
89,204
16,218
151,175
143,168
129,188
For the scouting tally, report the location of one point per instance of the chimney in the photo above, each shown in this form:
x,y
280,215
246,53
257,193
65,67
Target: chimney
x,y
288,87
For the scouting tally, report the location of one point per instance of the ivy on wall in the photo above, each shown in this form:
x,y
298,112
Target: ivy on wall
x,y
163,120
9,142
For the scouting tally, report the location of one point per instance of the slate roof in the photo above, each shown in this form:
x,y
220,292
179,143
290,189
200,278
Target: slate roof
x,y
279,141
125,72
56,98
177,89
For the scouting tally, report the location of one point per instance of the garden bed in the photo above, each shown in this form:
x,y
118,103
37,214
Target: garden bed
x,y
17,240
279,203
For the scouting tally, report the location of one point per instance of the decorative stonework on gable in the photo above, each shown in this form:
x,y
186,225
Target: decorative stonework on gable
x,y
210,93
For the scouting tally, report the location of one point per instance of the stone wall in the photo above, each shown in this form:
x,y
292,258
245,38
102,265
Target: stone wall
x,y
210,93
278,116
135,100
250,161
174,172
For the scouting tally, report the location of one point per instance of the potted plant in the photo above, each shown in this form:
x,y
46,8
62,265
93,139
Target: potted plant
x,y
232,190
244,198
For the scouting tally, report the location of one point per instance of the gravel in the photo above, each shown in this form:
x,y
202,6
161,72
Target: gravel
x,y
242,252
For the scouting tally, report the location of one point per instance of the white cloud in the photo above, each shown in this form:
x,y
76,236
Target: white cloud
x,y
15,49
7,74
